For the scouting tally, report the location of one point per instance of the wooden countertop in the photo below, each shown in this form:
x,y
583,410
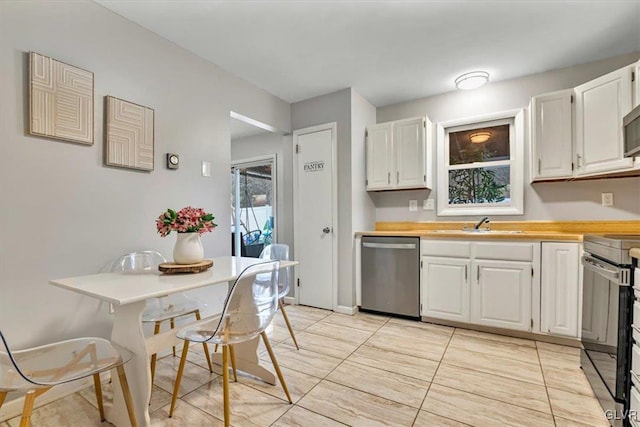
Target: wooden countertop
x,y
635,252
505,230
494,234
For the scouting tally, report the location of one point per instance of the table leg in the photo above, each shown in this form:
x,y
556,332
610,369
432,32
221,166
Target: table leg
x,y
247,360
127,332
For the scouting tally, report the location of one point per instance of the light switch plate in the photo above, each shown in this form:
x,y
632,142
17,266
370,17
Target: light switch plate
x,y
206,168
428,204
607,199
413,205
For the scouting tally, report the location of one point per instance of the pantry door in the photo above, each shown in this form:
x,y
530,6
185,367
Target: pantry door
x,y
315,215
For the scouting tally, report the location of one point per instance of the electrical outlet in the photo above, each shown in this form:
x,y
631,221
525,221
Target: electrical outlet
x,y
607,199
428,204
413,205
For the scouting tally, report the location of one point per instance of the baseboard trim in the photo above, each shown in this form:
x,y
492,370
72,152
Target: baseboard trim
x,y
290,300
343,309
553,339
13,408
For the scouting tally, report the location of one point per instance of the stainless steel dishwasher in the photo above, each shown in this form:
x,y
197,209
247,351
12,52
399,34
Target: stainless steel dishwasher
x,y
391,275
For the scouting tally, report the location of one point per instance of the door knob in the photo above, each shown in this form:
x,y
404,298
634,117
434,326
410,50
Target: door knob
x,y
326,230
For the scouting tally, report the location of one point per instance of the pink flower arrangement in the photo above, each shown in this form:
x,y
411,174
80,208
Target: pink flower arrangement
x,y
186,220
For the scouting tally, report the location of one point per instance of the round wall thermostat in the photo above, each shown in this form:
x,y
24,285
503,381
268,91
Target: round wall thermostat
x,y
173,161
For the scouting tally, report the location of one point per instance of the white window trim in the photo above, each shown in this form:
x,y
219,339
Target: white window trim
x,y
516,207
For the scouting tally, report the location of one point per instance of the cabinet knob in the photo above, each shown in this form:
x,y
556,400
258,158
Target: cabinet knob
x,y
326,230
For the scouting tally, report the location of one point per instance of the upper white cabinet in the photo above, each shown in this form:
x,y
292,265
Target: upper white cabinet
x,y
578,132
560,288
551,129
600,106
398,154
636,84
379,156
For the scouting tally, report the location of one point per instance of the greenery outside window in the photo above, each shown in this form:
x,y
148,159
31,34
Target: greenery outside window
x,y
480,162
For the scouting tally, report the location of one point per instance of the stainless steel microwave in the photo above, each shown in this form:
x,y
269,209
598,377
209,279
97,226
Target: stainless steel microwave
x,y
631,128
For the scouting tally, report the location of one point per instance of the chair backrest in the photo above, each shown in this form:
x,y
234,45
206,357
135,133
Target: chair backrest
x,y
279,252
136,262
250,305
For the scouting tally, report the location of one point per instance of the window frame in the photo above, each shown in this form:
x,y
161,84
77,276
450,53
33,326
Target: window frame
x,y
516,164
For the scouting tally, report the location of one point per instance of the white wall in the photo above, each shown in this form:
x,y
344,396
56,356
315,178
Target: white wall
x,y
62,212
267,144
543,201
363,115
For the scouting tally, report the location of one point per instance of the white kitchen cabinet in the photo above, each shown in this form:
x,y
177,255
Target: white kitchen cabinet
x,y
560,288
552,136
379,156
501,294
447,293
636,84
600,106
398,154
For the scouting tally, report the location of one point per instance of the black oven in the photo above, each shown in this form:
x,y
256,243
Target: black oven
x,y
606,322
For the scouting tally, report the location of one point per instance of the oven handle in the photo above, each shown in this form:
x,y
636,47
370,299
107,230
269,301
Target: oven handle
x,y
598,267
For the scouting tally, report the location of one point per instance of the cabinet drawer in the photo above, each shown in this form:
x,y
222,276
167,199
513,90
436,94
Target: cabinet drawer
x,y
635,333
504,251
636,315
636,279
445,248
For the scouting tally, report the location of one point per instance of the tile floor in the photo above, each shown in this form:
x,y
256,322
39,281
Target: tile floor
x,y
367,370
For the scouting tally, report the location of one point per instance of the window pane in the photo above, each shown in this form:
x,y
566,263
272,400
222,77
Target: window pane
x,y
479,145
480,185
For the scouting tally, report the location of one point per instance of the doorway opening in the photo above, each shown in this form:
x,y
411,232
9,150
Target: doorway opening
x,y
255,148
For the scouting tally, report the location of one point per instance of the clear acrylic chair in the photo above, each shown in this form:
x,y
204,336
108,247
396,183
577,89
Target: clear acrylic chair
x,y
35,370
248,309
280,252
158,310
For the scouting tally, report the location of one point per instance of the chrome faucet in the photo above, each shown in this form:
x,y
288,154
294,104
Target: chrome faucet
x,y
484,220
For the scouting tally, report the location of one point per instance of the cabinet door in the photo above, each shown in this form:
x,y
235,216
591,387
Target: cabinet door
x,y
600,106
409,145
501,294
445,288
560,288
380,157
636,84
552,139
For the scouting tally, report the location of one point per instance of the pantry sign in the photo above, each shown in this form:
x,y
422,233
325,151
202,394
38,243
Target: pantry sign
x,y
315,166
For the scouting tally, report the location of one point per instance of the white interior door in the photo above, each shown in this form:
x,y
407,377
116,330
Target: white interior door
x,y
315,215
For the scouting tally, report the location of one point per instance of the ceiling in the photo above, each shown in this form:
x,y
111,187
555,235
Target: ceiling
x,y
388,51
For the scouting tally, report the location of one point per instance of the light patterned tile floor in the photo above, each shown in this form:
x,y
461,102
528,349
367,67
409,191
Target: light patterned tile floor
x,y
368,370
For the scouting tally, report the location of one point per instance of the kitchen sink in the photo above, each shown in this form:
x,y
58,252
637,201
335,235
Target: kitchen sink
x,y
480,231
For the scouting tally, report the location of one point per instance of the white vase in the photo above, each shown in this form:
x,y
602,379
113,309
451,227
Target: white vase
x,y
188,249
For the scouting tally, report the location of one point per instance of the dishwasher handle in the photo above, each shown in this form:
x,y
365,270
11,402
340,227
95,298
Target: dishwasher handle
x,y
389,245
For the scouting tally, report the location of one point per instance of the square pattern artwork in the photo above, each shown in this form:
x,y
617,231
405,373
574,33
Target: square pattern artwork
x,y
60,100
128,134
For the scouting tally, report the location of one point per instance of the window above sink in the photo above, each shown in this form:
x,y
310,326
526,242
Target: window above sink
x,y
480,165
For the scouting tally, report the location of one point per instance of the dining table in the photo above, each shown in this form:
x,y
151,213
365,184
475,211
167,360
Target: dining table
x,y
127,293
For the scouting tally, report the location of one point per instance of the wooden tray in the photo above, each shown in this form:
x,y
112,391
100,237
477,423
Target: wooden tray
x,y
173,268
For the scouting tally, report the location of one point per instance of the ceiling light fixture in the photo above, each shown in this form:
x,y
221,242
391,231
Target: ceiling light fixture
x,y
472,80
479,137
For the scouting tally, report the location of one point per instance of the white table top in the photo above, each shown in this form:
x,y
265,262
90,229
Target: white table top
x,y
123,288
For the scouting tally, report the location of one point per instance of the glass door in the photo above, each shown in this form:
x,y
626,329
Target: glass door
x,y
253,213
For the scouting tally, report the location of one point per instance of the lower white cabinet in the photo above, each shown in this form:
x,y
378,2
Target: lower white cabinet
x,y
560,288
447,296
484,283
501,294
